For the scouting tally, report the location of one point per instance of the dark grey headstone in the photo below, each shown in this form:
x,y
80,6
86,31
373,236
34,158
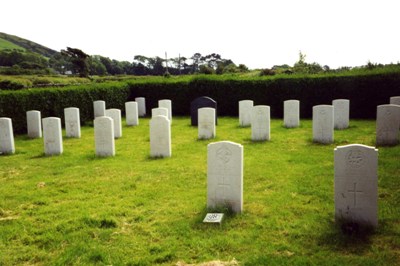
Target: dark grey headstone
x,y
200,103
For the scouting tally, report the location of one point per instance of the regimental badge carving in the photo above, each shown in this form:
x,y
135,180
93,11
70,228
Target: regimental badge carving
x,y
224,154
355,159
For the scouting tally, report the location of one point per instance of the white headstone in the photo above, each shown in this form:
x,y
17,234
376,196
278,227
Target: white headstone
x,y
99,108
323,124
72,122
159,111
260,123
206,123
356,184
395,100
141,105
341,113
52,136
225,175
34,124
245,108
165,103
160,137
7,145
104,136
387,124
115,115
131,113
291,113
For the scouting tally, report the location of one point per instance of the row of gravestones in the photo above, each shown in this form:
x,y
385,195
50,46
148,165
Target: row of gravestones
x,y
355,179
326,118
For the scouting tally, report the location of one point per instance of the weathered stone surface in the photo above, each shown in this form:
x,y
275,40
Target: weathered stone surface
x,y
387,124
206,123
225,175
341,113
72,122
291,113
356,184
104,136
132,113
7,145
160,137
52,136
34,124
323,124
260,123
245,108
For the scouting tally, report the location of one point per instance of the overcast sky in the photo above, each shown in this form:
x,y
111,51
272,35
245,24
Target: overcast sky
x,y
257,33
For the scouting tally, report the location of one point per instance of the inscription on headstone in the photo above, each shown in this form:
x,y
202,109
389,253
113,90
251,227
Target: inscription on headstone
x,y
104,136
72,122
206,127
52,136
323,124
225,175
260,123
356,184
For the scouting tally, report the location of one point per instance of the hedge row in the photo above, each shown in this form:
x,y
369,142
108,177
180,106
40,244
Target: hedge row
x,y
365,93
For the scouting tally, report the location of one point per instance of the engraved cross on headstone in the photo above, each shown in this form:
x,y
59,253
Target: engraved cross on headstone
x,y
355,191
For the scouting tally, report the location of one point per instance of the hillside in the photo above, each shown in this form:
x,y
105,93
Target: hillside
x,y
8,41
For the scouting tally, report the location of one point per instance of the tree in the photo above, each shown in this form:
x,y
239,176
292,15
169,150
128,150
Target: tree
x,y
79,59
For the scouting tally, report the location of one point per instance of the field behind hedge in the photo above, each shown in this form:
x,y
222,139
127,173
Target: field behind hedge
x,y
76,209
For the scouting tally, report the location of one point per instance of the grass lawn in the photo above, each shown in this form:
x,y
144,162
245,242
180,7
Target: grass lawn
x,y
76,209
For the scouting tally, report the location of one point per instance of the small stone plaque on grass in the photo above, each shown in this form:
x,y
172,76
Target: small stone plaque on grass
x,y
213,218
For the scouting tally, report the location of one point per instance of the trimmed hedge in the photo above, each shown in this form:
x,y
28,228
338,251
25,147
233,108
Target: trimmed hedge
x,y
365,92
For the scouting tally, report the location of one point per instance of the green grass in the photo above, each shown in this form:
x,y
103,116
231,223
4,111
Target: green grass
x,y
134,210
4,44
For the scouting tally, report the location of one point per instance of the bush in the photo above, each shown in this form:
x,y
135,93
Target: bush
x,y
267,72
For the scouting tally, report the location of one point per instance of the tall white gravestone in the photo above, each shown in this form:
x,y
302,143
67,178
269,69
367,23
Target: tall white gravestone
x,y
34,124
291,113
72,122
160,137
206,123
99,108
141,101
341,113
104,136
387,124
7,145
131,113
52,136
260,123
323,124
115,115
165,103
225,175
159,111
395,100
356,184
245,108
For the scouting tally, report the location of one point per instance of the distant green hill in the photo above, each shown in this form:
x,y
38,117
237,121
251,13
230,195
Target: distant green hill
x,y
8,41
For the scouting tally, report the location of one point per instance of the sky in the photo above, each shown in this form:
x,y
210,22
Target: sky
x,y
257,33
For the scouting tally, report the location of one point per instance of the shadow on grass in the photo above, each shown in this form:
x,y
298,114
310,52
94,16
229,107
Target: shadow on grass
x,y
347,236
